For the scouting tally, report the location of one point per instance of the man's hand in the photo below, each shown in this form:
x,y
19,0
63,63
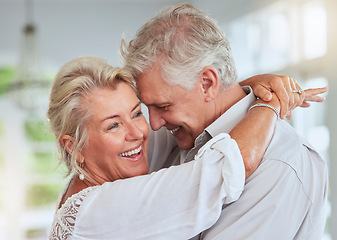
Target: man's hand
x,y
286,89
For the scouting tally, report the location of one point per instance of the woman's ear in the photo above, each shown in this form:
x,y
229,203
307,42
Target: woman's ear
x,y
67,142
209,83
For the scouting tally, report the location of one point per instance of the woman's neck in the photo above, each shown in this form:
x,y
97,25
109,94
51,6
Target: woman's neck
x,y
75,186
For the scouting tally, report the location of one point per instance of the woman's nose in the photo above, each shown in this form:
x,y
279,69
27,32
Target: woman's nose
x,y
134,132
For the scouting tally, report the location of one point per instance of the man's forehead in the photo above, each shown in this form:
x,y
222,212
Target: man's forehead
x,y
152,88
151,97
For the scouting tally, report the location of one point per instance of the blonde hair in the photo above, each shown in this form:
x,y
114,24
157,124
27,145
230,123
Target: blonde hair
x,y
183,40
67,113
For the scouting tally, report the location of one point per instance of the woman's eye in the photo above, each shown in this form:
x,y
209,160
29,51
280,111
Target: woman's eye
x,y
113,126
138,114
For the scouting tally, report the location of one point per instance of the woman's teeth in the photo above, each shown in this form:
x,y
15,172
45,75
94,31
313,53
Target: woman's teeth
x,y
132,152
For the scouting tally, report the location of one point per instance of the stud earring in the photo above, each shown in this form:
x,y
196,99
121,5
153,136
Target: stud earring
x,y
81,175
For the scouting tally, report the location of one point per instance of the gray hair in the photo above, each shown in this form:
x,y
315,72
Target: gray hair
x,y
68,112
183,40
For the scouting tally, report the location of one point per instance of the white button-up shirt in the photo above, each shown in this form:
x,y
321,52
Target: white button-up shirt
x,y
284,198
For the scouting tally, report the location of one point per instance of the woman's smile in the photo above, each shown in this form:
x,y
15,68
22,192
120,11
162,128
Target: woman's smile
x,y
133,155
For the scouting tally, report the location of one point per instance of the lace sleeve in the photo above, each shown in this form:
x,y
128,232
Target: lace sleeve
x,y
65,216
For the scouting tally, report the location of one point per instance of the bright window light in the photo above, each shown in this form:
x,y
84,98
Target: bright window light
x,y
279,33
315,30
279,41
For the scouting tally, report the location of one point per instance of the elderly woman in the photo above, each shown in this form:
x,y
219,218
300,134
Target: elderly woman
x,y
102,136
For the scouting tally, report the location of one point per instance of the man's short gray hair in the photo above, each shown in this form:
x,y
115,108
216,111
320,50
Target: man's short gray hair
x,y
182,40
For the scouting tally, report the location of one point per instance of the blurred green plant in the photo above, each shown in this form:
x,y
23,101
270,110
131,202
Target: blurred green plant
x,y
45,163
6,76
38,131
36,234
43,194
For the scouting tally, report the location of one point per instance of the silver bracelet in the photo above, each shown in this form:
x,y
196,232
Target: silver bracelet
x,y
266,105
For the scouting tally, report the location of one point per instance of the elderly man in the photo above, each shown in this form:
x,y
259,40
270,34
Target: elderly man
x,y
185,75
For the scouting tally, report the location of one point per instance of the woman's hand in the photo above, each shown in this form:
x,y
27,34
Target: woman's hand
x,y
287,90
255,131
312,96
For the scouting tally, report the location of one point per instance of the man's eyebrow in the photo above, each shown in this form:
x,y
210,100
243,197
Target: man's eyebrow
x,y
158,104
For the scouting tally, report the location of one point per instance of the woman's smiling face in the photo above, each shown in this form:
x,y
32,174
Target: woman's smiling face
x,y
118,135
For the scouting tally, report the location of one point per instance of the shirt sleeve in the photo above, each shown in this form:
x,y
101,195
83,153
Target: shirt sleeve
x,y
174,203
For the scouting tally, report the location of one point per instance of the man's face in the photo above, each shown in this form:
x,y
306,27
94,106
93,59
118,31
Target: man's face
x,y
179,110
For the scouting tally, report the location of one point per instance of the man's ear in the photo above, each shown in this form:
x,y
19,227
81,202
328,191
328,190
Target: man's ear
x,y
209,83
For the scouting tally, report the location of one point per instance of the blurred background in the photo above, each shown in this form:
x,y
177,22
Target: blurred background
x,y
289,37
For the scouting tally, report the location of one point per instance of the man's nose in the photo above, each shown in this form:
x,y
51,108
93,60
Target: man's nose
x,y
156,120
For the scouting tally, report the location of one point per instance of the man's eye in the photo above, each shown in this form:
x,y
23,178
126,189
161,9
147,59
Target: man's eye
x,y
164,108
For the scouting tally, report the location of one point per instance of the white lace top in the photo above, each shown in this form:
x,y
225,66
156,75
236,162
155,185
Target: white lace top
x,y
64,220
173,203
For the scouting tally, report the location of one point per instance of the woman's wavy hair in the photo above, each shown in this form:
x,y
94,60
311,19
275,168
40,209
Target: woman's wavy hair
x,y
69,112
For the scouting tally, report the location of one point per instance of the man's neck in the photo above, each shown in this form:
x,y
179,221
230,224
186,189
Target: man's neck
x,y
225,99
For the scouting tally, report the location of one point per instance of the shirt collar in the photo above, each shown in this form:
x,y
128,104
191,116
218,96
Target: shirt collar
x,y
227,121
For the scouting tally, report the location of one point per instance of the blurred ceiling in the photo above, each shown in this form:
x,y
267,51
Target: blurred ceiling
x,y
71,28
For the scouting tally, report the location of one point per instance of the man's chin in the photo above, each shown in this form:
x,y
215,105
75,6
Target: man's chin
x,y
184,141
185,144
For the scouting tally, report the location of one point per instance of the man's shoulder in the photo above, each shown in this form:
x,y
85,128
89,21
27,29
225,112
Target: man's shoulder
x,y
287,144
295,153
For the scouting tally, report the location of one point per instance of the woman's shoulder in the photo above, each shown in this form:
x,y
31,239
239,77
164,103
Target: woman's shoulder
x,y
65,217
